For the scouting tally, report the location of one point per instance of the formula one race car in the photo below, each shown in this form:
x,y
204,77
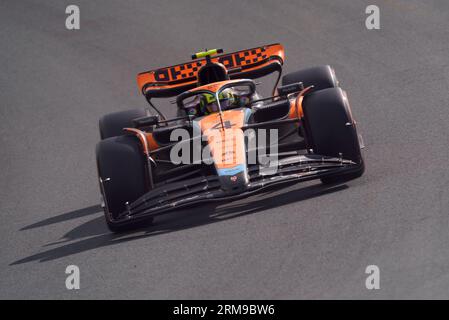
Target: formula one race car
x,y
226,141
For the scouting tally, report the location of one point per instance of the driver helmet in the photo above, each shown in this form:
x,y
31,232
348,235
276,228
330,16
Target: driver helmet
x,y
209,104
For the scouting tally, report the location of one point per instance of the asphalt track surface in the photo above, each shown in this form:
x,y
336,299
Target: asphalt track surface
x,y
303,242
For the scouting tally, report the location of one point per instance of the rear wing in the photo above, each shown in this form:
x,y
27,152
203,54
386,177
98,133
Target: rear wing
x,y
250,64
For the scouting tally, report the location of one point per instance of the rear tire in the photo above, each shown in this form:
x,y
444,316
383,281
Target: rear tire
x,y
121,167
321,77
112,124
326,117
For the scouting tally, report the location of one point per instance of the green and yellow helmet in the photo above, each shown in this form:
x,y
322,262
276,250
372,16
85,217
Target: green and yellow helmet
x,y
208,102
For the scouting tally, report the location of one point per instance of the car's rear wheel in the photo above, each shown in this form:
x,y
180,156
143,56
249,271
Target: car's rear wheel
x,y
331,131
112,124
321,77
122,172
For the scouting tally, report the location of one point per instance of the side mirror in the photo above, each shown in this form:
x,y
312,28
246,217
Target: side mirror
x,y
147,121
283,91
272,111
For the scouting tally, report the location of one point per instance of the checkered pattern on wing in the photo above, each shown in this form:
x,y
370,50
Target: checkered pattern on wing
x,y
189,70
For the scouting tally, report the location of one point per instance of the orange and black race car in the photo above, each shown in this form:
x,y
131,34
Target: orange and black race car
x,y
227,141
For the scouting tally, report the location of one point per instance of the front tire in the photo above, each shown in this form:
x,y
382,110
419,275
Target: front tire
x,y
331,130
122,170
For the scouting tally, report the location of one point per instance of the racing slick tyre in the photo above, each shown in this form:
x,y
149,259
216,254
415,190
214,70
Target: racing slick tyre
x,y
121,171
331,130
112,124
321,77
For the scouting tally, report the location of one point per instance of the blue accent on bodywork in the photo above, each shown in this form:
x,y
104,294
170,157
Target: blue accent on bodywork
x,y
248,113
231,171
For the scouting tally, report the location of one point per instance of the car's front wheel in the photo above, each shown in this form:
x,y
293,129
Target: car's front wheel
x,y
122,172
331,130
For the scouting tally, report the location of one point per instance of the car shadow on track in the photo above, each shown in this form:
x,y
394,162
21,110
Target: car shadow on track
x,y
94,234
65,217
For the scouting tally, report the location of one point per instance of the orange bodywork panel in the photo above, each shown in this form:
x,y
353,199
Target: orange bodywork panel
x,y
296,105
296,108
152,144
146,139
184,76
226,144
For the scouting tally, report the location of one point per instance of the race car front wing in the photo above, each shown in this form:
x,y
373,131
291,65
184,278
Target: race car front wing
x,y
167,197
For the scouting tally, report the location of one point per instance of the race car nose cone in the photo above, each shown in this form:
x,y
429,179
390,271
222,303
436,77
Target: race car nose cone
x,y
234,183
